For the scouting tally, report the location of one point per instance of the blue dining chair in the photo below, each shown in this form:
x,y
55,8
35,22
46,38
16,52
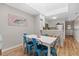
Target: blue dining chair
x,y
53,51
28,44
37,47
45,50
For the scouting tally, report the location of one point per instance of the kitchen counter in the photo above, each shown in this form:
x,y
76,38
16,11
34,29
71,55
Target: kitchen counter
x,y
51,32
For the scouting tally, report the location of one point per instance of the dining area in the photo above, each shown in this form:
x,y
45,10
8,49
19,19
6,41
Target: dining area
x,y
39,45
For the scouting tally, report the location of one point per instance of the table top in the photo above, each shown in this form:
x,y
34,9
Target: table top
x,y
44,39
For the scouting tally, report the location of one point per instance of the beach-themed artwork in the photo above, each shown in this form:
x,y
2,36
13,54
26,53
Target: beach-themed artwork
x,y
15,20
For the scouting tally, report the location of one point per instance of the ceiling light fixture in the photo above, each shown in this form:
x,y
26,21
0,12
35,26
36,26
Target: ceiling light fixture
x,y
54,17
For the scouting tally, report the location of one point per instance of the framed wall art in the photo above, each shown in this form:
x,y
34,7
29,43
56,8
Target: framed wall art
x,y
15,20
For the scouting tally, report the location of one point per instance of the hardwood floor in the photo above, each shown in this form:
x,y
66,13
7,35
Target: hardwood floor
x,y
14,52
70,48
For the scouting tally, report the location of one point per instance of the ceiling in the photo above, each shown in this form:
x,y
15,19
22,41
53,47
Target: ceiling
x,y
49,9
59,16
23,7
73,11
60,10
46,9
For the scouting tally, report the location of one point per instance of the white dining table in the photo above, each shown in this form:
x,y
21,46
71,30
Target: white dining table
x,y
46,40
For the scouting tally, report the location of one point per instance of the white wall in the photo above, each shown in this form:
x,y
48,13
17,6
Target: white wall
x,y
12,35
52,23
76,29
37,24
74,15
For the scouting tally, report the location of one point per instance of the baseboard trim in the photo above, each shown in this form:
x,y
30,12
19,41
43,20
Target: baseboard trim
x,y
12,47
